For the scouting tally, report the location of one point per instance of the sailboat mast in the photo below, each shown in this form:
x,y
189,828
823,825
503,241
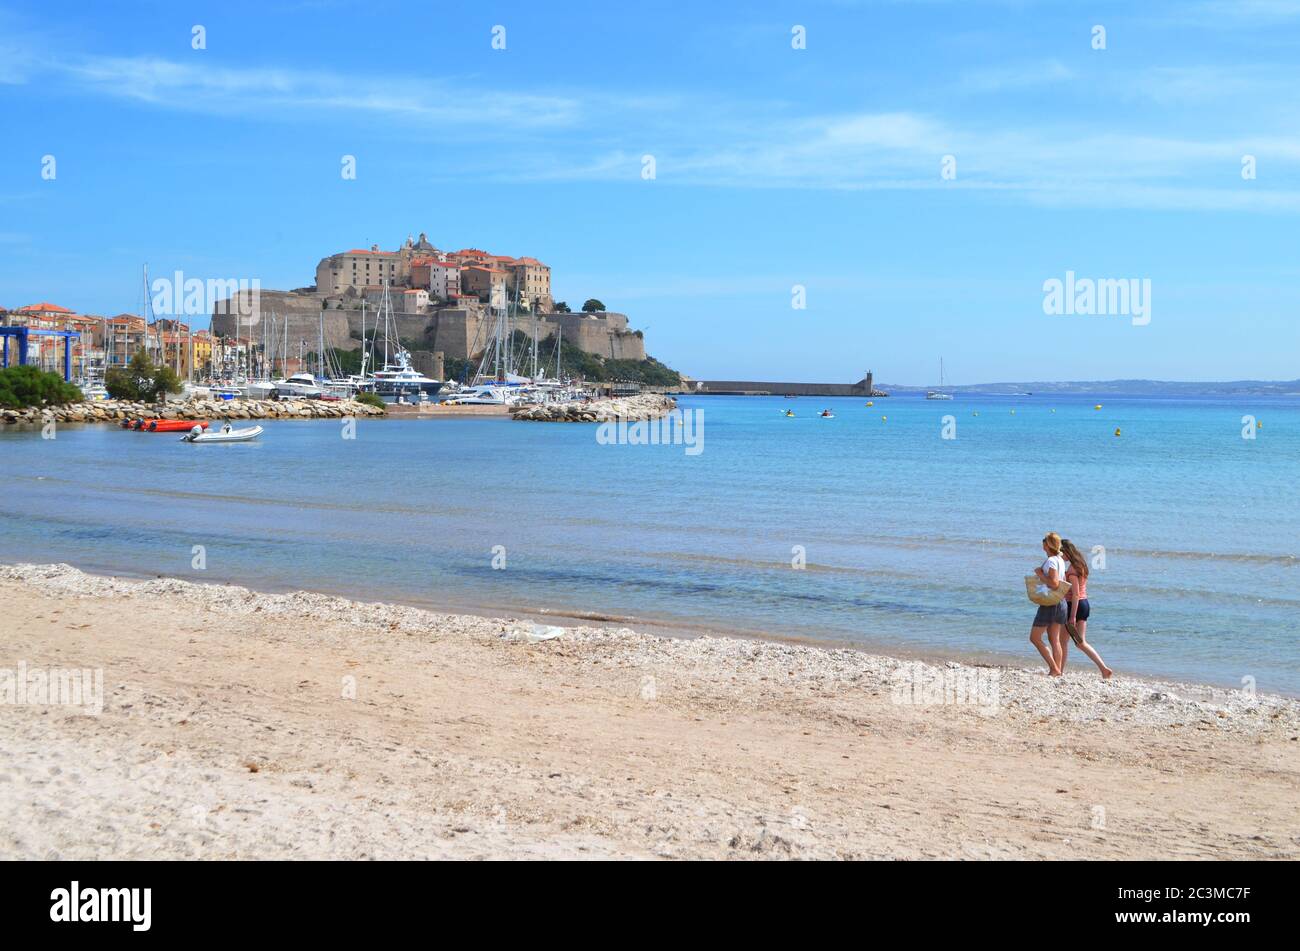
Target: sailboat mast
x,y
534,313
144,310
388,319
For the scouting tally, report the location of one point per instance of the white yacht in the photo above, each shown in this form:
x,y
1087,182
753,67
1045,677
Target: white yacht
x,y
400,379
93,389
256,389
484,394
302,385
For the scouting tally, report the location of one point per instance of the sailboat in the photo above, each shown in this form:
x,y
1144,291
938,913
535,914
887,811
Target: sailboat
x,y
939,394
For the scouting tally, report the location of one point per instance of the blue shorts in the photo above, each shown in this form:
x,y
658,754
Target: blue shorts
x,y
1051,614
1081,612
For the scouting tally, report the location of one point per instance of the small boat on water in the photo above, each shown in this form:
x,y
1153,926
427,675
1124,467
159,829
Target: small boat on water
x,y
224,434
939,394
827,414
162,425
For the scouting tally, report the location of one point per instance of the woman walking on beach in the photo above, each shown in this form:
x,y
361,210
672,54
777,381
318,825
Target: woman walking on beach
x,y
1077,611
1050,618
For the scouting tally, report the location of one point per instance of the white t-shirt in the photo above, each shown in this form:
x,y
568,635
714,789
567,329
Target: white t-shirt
x,y
1059,562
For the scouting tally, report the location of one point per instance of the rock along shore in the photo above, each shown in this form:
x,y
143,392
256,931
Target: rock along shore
x,y
645,406
104,411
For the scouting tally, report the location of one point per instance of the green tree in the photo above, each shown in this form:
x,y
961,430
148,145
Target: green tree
x,y
576,362
141,380
24,386
561,307
593,306
456,368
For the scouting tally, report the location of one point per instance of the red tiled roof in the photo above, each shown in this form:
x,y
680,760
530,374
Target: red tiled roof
x,y
43,306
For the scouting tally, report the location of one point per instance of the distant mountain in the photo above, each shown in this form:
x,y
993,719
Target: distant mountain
x,y
1121,388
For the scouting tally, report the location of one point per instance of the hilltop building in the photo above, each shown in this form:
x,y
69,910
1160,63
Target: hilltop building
x,y
441,301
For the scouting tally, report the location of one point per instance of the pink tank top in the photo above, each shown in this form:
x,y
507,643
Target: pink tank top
x,y
1079,583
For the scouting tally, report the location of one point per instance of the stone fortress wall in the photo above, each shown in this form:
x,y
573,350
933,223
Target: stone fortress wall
x,y
456,331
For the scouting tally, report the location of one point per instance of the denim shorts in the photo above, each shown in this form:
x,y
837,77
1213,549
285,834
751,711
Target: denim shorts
x,y
1051,614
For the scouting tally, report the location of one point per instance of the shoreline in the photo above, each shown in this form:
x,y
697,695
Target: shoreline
x,y
224,734
669,627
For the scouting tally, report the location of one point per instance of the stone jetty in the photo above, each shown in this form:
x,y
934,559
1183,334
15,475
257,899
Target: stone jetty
x,y
629,408
105,411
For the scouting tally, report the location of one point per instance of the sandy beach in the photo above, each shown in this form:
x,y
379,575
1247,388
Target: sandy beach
x,y
245,725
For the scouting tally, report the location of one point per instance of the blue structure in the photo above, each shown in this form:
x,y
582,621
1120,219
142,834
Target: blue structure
x,y
23,333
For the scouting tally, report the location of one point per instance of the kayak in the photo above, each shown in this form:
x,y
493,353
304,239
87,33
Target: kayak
x,y
219,435
161,425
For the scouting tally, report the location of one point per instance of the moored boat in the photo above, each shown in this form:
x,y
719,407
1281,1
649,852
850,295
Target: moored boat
x,y
162,425
225,434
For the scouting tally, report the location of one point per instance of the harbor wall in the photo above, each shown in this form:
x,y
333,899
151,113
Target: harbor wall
x,y
863,387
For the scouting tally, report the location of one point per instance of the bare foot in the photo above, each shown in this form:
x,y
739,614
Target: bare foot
x,y
1053,672
1106,672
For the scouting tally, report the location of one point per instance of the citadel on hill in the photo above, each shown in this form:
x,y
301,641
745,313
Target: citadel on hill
x,y
441,302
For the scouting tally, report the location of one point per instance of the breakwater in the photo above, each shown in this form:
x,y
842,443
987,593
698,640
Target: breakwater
x,y
645,406
105,411
864,387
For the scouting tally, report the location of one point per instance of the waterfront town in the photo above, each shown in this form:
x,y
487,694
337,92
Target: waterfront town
x,y
443,301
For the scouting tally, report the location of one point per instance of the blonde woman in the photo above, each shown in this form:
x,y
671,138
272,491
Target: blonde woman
x,y
1050,619
1077,611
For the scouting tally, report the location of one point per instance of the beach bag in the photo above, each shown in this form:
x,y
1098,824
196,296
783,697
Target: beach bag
x,y
1052,597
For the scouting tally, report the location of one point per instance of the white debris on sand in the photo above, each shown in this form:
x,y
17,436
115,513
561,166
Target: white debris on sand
x,y
1079,696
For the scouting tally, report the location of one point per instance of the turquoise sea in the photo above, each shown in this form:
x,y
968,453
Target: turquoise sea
x,y
913,543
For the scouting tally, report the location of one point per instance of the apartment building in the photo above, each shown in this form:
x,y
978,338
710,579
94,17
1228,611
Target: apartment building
x,y
358,269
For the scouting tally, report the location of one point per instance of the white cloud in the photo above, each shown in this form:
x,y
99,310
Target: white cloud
x,y
1115,159
1024,76
277,92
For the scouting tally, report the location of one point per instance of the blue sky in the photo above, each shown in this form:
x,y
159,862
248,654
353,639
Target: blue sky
x,y
774,167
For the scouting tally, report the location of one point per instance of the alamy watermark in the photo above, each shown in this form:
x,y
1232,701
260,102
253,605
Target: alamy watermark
x,y
55,686
918,684
179,295
674,428
1101,297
